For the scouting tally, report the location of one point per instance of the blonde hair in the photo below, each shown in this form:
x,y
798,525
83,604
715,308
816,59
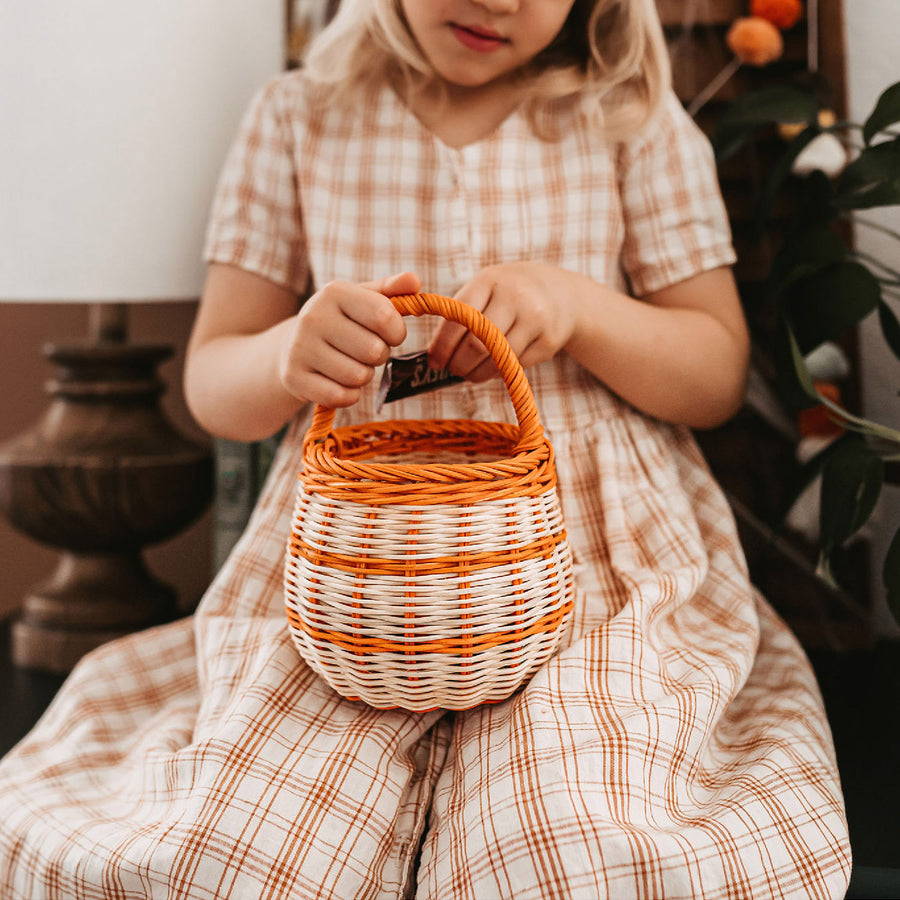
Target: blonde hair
x,y
611,54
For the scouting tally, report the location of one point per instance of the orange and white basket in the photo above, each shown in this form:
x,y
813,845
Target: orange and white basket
x,y
428,565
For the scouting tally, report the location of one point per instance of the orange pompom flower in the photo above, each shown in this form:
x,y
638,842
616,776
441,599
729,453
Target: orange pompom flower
x,y
755,41
781,13
817,421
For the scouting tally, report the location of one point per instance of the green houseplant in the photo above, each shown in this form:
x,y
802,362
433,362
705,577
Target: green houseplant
x,y
819,288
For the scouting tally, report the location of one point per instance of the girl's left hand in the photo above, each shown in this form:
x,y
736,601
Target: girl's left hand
x,y
527,301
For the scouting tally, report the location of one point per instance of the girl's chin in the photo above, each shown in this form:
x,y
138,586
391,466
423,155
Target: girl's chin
x,y
471,82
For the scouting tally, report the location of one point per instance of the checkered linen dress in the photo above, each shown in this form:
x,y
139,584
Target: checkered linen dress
x,y
676,748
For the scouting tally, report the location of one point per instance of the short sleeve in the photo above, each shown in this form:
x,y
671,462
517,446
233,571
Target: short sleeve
x,y
256,222
676,224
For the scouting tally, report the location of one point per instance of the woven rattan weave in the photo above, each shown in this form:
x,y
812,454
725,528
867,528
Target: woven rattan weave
x,y
428,565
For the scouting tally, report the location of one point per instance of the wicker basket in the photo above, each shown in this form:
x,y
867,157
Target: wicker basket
x,y
428,565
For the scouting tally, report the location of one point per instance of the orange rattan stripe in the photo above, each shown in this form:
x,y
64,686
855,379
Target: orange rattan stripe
x,y
546,624
324,472
434,565
531,434
374,493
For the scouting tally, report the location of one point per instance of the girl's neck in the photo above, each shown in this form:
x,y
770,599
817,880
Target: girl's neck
x,y
458,115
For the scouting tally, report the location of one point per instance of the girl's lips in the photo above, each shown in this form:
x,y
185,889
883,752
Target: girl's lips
x,y
477,39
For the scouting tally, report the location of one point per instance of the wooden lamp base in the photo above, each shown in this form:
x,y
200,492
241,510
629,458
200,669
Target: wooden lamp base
x,y
81,606
101,475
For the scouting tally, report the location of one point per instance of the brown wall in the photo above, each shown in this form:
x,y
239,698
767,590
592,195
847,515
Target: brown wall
x,y
183,561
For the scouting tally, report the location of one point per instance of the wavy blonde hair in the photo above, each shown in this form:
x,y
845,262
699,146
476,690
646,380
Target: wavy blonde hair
x,y
609,53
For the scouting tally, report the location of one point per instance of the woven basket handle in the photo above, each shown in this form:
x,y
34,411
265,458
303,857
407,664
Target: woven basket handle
x,y
531,434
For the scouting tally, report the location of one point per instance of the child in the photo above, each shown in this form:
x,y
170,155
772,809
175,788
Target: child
x,y
528,157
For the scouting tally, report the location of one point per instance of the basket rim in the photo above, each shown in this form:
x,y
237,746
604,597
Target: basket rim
x,y
331,456
530,473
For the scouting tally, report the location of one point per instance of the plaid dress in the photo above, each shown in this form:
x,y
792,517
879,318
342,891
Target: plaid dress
x,y
675,748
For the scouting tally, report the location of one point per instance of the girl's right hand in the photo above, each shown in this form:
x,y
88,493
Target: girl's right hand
x,y
340,336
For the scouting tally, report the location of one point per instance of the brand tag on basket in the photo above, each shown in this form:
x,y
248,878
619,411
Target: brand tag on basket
x,y
410,374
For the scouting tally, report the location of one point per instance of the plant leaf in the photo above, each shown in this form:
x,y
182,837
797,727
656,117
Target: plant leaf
x,y
861,425
823,570
872,179
885,114
809,471
781,172
780,103
890,327
792,379
890,575
877,161
824,304
852,478
804,253
872,196
815,201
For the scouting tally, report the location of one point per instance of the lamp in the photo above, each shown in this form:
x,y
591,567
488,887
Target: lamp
x,y
114,120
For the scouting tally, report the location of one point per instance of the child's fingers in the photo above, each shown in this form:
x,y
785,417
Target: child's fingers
x,y
366,307
326,392
358,341
444,343
469,355
523,342
375,313
394,285
450,339
326,375
343,369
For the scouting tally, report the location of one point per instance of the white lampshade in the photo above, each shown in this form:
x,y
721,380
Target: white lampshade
x,y
115,117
